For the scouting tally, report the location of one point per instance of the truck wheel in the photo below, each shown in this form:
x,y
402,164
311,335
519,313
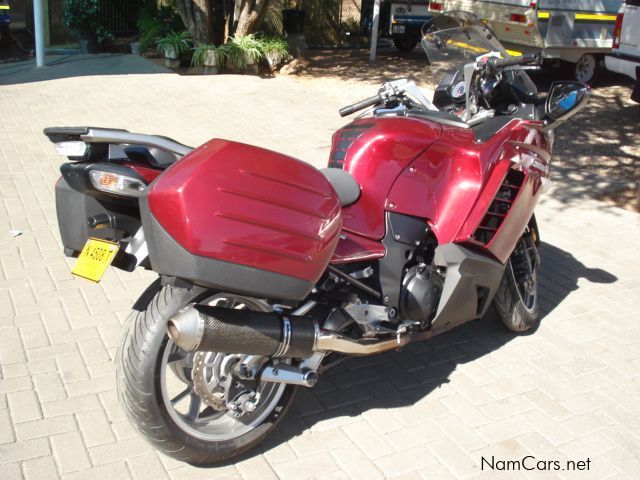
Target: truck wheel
x,y
586,69
404,44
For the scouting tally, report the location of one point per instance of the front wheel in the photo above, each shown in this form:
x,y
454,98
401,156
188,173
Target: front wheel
x,y
192,406
517,297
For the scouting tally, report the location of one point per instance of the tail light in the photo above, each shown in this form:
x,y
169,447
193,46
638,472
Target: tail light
x,y
500,206
516,17
116,183
617,30
73,149
435,6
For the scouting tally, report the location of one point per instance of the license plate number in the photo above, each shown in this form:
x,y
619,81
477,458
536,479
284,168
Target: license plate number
x,y
398,29
95,258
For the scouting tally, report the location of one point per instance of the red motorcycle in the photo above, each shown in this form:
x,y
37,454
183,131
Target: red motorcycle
x,y
271,271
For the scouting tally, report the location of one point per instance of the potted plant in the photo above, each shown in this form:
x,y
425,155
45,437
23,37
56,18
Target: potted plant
x,y
81,17
173,44
210,56
275,51
244,52
293,18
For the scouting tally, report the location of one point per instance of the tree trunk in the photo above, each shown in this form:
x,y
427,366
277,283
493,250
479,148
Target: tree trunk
x,y
248,14
197,15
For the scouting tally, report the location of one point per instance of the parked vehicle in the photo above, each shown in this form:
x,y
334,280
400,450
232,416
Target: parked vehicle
x,y
5,24
579,32
625,56
400,21
271,271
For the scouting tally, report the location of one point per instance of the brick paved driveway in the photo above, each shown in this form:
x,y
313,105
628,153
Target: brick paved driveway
x,y
569,391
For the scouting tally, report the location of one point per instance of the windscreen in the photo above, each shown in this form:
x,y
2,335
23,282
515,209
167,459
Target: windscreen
x,y
456,38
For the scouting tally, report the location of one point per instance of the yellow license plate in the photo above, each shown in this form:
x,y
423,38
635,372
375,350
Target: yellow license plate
x,y
94,259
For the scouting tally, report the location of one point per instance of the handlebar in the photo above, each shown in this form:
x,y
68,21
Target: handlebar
x,y
496,63
368,102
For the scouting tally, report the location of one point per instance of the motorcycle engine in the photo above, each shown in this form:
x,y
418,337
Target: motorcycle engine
x,y
420,293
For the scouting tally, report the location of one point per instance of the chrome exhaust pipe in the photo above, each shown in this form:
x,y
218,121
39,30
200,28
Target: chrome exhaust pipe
x,y
205,328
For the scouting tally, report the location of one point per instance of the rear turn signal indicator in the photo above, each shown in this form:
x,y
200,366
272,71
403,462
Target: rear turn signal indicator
x,y
117,184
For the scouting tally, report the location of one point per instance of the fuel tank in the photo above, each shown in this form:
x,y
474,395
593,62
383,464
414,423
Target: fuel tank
x,y
376,151
244,219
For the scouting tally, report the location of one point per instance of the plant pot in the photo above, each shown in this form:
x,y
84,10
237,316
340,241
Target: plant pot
x,y
135,48
274,59
293,21
210,63
171,62
171,53
252,66
89,45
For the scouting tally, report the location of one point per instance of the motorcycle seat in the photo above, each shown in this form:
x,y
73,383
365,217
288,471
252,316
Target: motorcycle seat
x,y
344,184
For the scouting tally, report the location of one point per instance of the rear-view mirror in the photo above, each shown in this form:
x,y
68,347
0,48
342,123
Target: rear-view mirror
x,y
564,100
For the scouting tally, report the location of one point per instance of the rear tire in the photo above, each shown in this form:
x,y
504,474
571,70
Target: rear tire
x,y
404,45
140,363
586,69
517,303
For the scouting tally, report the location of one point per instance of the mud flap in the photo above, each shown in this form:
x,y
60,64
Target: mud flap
x,y
635,95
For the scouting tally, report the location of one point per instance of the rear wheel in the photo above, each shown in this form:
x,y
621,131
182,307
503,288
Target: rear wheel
x,y
517,297
404,44
586,69
192,406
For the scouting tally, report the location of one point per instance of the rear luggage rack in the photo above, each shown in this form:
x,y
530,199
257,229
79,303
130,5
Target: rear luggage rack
x,y
115,136
499,207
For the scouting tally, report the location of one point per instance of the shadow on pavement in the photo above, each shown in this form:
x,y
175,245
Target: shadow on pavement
x,y
77,66
398,379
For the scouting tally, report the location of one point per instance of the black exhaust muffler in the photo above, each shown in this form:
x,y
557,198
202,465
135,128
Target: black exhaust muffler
x,y
225,330
198,328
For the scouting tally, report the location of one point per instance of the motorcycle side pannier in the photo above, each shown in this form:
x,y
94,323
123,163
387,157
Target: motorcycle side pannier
x,y
240,218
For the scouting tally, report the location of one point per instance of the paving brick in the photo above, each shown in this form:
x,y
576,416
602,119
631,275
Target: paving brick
x,y
305,467
24,450
24,405
8,385
45,427
70,452
111,471
49,387
413,460
120,451
147,467
95,428
11,471
6,428
69,406
255,468
43,468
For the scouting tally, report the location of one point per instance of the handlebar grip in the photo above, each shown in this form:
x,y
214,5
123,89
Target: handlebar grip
x,y
496,63
368,102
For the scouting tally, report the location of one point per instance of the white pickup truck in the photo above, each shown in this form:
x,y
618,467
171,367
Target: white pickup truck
x,y
625,56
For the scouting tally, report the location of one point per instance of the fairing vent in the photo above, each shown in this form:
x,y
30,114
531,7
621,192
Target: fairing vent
x,y
500,206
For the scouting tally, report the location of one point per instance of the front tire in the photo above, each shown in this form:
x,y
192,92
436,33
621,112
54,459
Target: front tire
x,y
517,297
195,435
